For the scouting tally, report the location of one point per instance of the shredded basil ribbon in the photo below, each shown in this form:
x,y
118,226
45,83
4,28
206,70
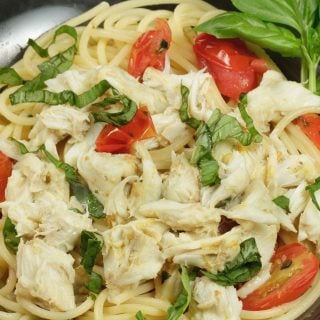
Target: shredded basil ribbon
x,y
78,187
242,268
184,298
313,188
283,202
139,316
10,77
10,236
218,128
90,246
43,52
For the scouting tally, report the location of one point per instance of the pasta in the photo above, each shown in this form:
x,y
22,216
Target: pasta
x,y
156,215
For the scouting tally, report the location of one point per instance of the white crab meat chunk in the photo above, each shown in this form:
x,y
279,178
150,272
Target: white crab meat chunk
x,y
49,219
203,93
103,171
132,253
45,275
32,179
275,97
57,122
148,187
182,183
309,225
214,302
180,216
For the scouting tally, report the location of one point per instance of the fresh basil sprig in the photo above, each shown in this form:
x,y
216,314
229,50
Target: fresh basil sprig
x,y
242,268
43,52
95,283
282,202
10,236
184,298
313,188
268,23
78,187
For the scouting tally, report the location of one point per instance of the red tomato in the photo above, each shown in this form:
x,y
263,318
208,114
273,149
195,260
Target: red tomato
x,y
293,269
234,68
150,49
5,173
120,139
310,125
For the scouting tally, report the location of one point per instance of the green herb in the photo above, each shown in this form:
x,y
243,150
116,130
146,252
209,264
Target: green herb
x,y
95,283
67,96
244,266
11,239
78,187
10,77
313,188
183,111
184,298
271,18
43,52
282,202
116,118
22,147
139,316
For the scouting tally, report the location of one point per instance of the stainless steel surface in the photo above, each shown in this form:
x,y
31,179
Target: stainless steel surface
x,y
23,19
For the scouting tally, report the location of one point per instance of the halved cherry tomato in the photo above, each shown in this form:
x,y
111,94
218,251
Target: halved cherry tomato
x,y
293,269
5,173
150,49
234,68
310,125
120,139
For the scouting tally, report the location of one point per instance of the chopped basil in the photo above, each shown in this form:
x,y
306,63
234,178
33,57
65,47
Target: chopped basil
x,y
139,316
23,149
282,202
10,77
43,52
116,118
11,239
78,187
183,112
218,128
90,246
67,96
313,188
184,298
95,283
242,268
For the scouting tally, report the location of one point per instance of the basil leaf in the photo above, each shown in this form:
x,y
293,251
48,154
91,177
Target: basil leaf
x,y
288,12
253,135
90,246
117,118
209,171
242,268
282,202
43,52
95,283
10,236
139,316
78,188
313,188
64,97
10,77
183,111
22,147
184,298
247,27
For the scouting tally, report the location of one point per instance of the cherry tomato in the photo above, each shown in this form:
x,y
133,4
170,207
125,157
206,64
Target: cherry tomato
x,y
5,173
120,139
310,125
150,49
234,68
293,269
